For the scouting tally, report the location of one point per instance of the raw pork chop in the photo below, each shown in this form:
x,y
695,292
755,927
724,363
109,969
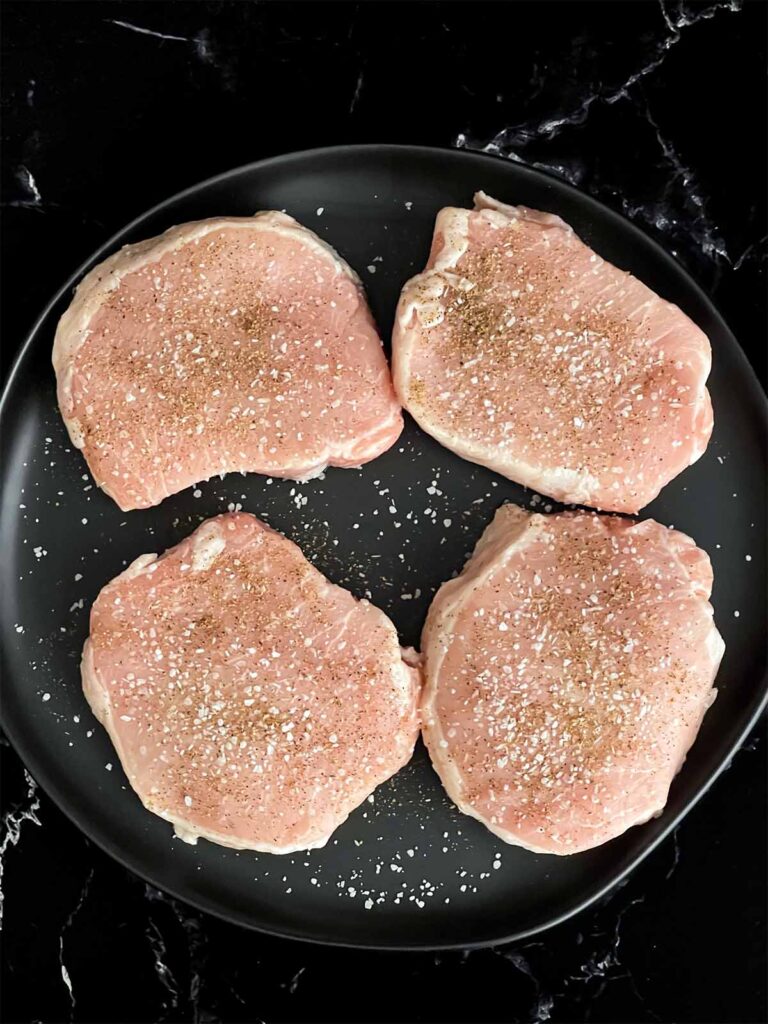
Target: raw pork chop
x,y
240,343
250,701
521,349
567,672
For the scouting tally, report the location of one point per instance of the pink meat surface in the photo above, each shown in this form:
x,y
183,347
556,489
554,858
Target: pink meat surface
x,y
521,349
239,344
567,672
250,701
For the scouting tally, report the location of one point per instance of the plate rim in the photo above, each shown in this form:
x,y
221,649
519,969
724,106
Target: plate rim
x,y
47,781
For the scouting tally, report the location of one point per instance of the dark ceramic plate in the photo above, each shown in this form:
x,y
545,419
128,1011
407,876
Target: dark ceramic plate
x,y
406,870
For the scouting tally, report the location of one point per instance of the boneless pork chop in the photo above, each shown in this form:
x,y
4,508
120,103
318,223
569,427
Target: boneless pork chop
x,y
521,349
250,701
240,343
567,672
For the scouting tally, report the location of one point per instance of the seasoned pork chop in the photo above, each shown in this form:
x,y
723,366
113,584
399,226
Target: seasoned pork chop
x,y
241,343
250,701
521,349
567,672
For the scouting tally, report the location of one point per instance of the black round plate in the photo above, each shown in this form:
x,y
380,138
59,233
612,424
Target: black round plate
x,y
406,870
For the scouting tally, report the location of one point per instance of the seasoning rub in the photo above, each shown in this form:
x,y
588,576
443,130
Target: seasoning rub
x,y
567,672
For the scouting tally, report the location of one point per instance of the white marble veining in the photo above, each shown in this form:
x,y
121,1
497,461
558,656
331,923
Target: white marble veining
x,y
13,823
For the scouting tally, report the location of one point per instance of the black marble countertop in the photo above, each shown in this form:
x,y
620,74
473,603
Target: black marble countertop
x,y
658,109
